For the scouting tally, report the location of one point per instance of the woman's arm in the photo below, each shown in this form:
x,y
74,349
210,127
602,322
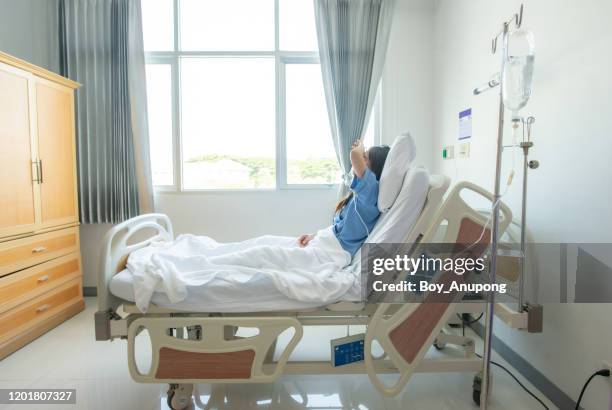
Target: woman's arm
x,y
358,160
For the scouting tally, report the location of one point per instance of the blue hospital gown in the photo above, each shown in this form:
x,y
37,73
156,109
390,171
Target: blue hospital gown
x,y
350,223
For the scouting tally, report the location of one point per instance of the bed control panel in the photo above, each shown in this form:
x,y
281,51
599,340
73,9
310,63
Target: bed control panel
x,y
347,349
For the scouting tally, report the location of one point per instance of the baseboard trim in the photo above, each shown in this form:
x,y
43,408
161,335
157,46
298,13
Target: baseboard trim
x,y
535,377
90,291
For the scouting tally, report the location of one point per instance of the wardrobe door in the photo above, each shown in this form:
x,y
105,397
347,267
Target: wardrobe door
x,y
56,152
19,211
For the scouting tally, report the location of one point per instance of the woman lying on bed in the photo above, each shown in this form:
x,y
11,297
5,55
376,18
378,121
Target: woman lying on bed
x,y
306,269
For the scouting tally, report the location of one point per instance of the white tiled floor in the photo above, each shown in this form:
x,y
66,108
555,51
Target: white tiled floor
x,y
69,357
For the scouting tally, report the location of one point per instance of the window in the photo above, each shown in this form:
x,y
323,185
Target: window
x,y
235,99
227,25
158,22
297,25
311,158
159,105
228,120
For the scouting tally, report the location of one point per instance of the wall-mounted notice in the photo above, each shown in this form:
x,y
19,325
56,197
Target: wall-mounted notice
x,y
465,124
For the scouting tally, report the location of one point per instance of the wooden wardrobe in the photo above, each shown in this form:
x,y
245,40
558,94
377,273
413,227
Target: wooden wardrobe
x,y
40,261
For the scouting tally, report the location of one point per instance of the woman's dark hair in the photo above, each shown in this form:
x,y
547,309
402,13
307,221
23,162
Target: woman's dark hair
x,y
377,156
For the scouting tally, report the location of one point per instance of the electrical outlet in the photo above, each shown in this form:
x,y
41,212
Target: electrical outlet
x,y
448,152
464,150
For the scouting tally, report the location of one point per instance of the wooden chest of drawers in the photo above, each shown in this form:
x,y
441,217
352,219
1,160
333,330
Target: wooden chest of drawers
x,y
40,285
40,262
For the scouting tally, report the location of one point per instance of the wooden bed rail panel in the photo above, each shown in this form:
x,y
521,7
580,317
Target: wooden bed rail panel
x,y
409,337
412,334
181,364
473,233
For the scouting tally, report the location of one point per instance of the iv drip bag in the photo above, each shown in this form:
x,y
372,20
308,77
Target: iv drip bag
x,y
517,69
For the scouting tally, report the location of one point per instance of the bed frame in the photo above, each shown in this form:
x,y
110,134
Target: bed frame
x,y
190,348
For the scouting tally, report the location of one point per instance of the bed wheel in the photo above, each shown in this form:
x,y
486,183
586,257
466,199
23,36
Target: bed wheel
x,y
179,396
169,397
438,344
477,388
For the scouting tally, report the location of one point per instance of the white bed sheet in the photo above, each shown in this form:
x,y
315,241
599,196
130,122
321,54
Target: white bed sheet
x,y
258,295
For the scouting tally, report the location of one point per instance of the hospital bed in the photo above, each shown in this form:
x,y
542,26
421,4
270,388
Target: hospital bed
x,y
192,344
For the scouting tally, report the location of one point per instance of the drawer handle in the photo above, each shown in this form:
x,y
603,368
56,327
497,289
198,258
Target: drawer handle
x,y
42,308
39,249
43,278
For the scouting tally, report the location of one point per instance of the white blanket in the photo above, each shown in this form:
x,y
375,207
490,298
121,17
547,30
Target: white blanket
x,y
310,274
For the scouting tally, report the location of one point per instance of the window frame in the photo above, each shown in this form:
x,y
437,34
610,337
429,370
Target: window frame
x,y
281,59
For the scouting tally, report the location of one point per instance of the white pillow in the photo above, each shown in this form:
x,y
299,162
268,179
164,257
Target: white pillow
x,y
398,161
394,225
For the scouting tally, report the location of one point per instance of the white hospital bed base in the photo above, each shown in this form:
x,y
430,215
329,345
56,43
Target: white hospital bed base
x,y
182,355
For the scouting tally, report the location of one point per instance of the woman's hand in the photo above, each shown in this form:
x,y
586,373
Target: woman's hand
x,y
358,147
358,158
304,239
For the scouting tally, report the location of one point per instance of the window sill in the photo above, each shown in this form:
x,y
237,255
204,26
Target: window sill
x,y
286,188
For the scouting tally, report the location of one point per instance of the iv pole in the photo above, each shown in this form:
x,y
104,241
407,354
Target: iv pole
x,y
526,144
490,310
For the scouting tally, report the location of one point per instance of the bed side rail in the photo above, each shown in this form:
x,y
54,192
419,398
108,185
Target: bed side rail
x,y
407,334
211,352
464,224
118,243
438,185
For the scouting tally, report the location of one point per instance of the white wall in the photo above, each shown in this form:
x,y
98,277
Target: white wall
x,y
28,30
408,76
570,195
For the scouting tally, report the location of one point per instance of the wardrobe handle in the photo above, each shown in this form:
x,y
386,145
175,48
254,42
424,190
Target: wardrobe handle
x,y
36,172
43,279
39,249
41,171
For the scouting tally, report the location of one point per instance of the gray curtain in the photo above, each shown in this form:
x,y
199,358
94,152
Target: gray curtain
x,y
353,37
101,47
